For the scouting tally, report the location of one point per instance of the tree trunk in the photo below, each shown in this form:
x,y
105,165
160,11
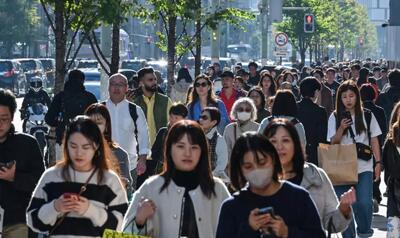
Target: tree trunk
x,y
115,49
60,39
197,57
171,41
311,52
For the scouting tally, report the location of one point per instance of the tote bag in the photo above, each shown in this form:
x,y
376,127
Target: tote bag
x,y
339,162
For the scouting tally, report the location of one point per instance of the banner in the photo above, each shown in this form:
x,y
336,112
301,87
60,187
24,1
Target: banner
x,y
115,234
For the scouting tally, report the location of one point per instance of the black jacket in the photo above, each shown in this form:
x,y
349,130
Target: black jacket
x,y
32,98
380,116
391,164
388,99
15,196
315,122
54,116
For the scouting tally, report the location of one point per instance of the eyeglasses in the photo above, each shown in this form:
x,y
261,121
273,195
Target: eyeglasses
x,y
118,85
246,109
203,84
5,120
204,117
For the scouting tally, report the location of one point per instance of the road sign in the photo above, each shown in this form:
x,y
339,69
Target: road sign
x,y
281,39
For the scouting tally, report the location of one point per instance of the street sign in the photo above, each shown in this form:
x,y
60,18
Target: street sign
x,y
281,53
281,39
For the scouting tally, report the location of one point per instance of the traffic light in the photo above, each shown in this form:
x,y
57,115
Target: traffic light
x,y
309,26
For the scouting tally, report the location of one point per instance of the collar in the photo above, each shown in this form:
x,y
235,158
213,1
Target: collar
x,y
120,104
147,99
234,93
210,134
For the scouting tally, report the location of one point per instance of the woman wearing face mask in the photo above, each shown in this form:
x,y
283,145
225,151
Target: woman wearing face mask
x,y
257,95
203,96
80,196
255,160
285,139
209,119
351,124
184,200
244,113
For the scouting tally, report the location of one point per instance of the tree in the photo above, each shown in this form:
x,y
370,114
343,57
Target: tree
x,y
17,23
73,16
186,12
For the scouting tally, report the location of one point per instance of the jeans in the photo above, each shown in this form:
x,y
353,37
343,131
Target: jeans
x,y
362,208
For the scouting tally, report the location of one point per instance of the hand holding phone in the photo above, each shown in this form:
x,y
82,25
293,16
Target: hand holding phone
x,y
267,210
7,165
71,196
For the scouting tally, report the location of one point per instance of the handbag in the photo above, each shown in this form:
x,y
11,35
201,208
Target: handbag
x,y
364,152
339,162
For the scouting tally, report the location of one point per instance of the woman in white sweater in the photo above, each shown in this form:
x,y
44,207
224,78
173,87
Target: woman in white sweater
x,y
184,200
80,196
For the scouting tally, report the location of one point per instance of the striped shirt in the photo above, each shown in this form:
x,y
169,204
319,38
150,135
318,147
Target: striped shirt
x,y
107,204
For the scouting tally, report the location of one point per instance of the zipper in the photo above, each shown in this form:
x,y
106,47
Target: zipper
x,y
181,218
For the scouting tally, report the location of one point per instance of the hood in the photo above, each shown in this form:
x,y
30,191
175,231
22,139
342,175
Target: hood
x,y
311,176
182,86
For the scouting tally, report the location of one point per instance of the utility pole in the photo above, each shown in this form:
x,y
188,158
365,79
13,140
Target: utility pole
x,y
263,8
215,36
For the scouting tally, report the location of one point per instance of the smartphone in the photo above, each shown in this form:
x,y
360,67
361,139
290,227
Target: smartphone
x,y
7,165
266,210
347,115
72,196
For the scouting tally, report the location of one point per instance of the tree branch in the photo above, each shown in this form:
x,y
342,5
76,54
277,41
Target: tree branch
x,y
67,67
51,23
165,22
189,42
99,49
106,70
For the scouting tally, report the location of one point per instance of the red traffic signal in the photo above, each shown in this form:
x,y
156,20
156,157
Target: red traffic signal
x,y
309,26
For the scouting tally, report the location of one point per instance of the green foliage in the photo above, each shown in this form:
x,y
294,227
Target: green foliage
x,y
335,22
18,20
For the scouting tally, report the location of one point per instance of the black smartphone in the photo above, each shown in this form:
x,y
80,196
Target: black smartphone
x,y
7,165
347,115
266,210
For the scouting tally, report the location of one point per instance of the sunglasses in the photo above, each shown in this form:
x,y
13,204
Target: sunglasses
x,y
241,109
203,84
204,117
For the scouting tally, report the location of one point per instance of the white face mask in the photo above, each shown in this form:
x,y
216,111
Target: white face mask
x,y
243,116
260,178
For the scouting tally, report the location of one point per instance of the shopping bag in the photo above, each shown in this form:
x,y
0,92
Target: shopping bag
x,y
339,162
116,234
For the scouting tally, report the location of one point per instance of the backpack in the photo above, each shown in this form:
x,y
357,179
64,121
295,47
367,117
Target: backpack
x,y
134,116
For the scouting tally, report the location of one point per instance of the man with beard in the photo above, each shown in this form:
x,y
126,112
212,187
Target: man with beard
x,y
156,109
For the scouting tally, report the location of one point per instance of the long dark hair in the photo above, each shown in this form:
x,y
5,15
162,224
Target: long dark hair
x,y
358,110
89,129
196,136
298,156
284,104
251,142
272,88
194,97
258,90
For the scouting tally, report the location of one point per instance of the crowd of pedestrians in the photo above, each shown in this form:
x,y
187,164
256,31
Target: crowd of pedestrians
x,y
230,154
